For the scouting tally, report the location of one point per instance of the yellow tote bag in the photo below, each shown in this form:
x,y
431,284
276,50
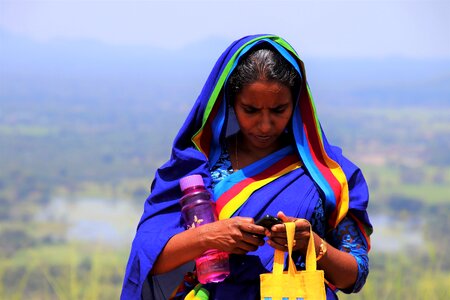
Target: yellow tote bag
x,y
292,284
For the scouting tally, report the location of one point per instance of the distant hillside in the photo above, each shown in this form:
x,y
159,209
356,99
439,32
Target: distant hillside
x,y
84,72
78,111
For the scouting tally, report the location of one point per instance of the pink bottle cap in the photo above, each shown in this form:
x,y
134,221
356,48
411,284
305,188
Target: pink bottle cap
x,y
190,181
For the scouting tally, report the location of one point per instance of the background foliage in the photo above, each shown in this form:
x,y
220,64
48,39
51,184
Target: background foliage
x,y
81,135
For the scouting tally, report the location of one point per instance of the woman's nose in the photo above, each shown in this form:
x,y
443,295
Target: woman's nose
x,y
265,124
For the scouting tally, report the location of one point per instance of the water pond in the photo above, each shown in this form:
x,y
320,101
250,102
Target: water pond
x,y
114,222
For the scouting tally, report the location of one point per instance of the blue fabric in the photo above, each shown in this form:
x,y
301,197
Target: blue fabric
x,y
295,193
243,281
345,237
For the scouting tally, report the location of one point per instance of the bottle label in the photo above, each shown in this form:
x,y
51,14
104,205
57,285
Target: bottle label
x,y
196,221
198,212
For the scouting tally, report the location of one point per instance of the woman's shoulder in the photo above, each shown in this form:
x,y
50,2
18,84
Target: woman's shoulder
x,y
348,166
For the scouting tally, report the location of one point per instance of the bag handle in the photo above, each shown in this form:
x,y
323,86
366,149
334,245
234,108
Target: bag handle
x,y
278,260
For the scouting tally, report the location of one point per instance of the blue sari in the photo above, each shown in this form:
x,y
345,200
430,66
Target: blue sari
x,y
291,180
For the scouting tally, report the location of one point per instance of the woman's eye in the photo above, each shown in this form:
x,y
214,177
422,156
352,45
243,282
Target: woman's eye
x,y
249,110
279,110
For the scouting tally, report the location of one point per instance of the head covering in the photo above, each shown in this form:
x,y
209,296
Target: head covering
x,y
313,148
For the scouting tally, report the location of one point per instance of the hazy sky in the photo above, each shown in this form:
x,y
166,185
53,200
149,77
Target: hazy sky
x,y
323,28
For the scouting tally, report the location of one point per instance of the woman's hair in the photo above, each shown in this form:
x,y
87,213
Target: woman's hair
x,y
262,64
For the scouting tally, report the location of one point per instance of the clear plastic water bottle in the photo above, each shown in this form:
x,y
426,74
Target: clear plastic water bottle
x,y
197,209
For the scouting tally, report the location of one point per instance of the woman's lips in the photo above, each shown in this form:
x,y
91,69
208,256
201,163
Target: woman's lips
x,y
263,138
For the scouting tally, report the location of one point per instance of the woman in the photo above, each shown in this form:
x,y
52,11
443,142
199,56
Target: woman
x,y
254,137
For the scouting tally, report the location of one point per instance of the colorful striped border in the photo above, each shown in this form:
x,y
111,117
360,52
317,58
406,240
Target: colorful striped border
x,y
234,197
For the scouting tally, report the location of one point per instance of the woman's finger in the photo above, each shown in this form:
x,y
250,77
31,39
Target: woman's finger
x,y
253,229
283,217
278,246
302,225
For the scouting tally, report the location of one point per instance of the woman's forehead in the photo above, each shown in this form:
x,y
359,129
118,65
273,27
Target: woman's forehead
x,y
264,93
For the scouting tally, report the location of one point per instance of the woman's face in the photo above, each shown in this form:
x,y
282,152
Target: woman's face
x,y
263,110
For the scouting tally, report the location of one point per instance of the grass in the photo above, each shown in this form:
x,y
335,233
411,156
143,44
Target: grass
x,y
80,271
430,185
405,276
432,193
71,272
28,131
75,272
120,190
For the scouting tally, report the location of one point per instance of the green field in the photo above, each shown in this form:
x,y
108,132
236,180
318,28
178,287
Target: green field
x,y
402,152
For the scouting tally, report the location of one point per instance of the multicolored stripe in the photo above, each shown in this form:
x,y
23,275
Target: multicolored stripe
x,y
325,171
235,196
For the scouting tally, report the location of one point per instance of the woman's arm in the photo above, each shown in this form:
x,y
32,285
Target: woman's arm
x,y
347,238
340,267
236,235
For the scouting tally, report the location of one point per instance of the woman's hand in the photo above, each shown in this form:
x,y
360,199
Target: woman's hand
x,y
237,235
277,235
340,267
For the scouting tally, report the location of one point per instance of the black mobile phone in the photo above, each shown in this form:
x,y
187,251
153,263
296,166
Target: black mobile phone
x,y
268,221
